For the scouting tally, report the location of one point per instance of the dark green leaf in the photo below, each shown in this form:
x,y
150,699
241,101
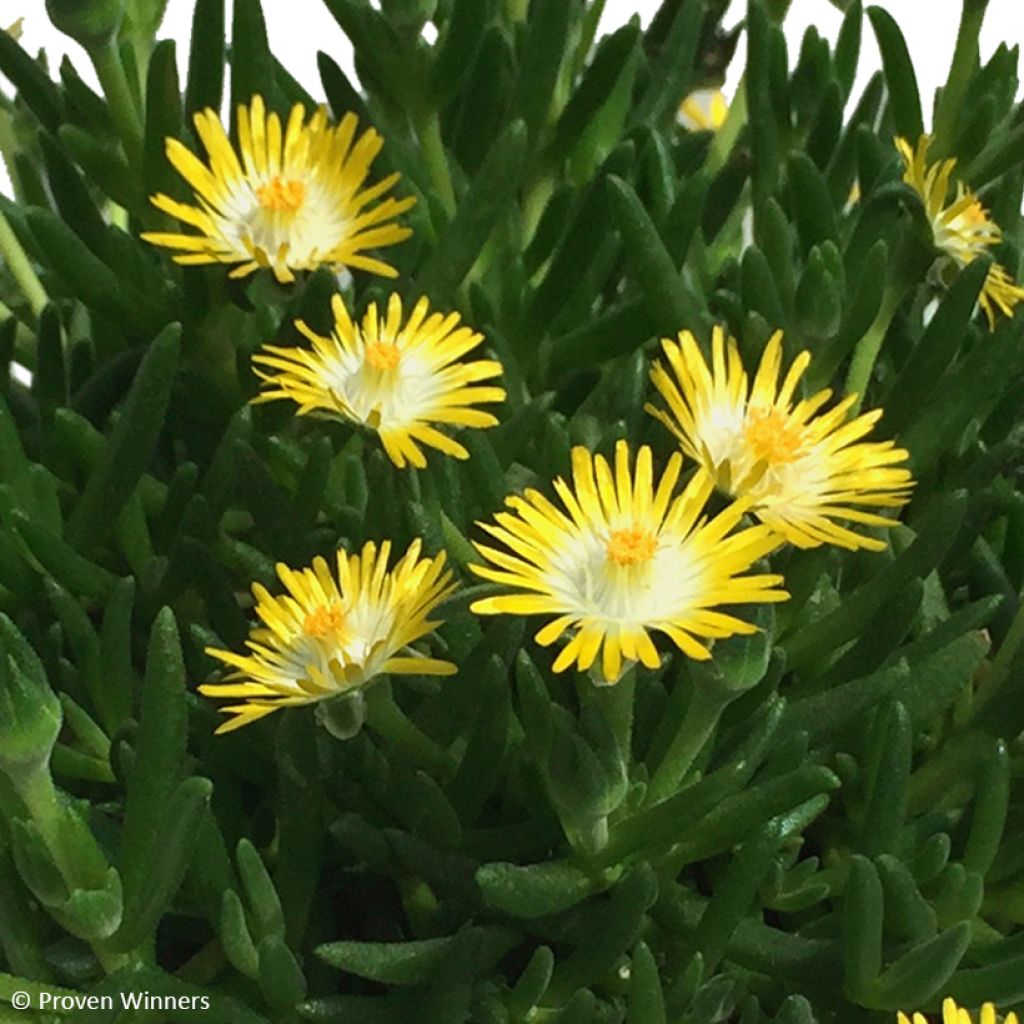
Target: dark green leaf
x,y
132,444
206,57
899,75
40,94
533,890
651,265
479,210
543,52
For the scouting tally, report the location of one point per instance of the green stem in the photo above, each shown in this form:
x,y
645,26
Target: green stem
x,y
388,720
20,268
428,128
616,704
117,90
701,718
864,355
965,60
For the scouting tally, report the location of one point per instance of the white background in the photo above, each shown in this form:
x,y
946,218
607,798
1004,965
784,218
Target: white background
x,y
298,28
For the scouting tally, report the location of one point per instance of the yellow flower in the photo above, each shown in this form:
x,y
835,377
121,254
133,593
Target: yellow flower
x,y
801,472
962,230
295,201
953,1014
704,110
331,635
625,557
396,378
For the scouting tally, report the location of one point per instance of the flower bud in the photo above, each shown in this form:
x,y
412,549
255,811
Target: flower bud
x,y
93,23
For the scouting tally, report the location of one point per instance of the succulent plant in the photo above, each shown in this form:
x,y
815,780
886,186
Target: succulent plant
x,y
632,481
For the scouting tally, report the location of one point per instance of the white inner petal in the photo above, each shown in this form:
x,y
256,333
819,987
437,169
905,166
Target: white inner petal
x,y
367,623
721,429
313,228
398,396
783,486
794,485
591,584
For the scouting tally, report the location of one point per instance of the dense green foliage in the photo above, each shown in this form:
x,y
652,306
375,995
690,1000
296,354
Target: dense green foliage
x,y
850,837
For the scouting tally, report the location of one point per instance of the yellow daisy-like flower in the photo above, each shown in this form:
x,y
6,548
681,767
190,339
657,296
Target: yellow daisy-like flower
x,y
397,378
331,635
953,1014
624,558
294,201
962,230
704,110
800,471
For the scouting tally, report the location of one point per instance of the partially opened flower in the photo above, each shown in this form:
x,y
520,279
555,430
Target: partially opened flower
x,y
295,199
704,110
962,228
401,378
331,634
625,557
953,1014
803,473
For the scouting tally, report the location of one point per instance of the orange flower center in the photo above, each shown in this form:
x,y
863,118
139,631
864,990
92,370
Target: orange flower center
x,y
324,621
382,355
282,195
772,438
631,546
975,214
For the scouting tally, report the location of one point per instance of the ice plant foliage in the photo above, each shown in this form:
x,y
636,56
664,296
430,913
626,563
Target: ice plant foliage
x,y
293,197
402,378
803,471
953,1014
728,805
332,633
625,557
961,226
